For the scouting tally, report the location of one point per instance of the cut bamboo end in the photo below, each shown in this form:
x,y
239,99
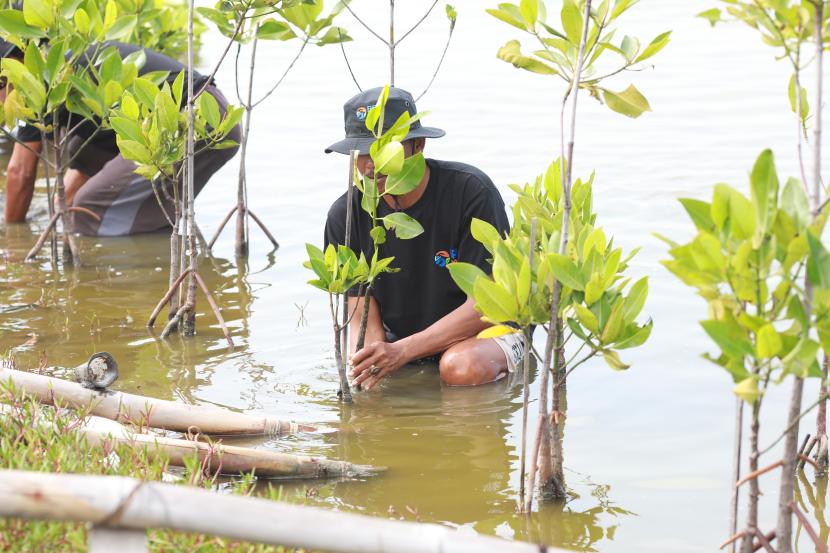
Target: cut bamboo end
x,y
226,459
152,412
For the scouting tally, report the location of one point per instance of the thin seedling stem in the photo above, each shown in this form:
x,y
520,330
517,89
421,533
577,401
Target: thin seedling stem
x,y
528,345
736,475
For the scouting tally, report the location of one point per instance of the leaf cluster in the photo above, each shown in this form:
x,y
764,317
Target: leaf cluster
x,y
283,20
597,304
339,269
403,174
747,261
557,48
786,25
151,129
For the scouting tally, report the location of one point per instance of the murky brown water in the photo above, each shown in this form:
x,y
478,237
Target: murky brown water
x,y
647,451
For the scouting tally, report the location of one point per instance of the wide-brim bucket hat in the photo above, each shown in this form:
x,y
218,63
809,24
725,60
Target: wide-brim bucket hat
x,y
360,138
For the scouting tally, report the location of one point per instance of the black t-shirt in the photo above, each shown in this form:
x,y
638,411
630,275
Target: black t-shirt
x,y
423,291
105,139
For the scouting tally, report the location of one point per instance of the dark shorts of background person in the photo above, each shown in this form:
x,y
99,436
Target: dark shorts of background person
x,y
124,200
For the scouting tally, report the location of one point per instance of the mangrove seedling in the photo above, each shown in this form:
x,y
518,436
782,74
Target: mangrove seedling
x,y
576,53
794,27
338,270
597,308
747,262
67,77
403,174
302,22
152,132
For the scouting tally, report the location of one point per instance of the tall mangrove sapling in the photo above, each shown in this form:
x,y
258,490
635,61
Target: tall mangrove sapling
x,y
580,288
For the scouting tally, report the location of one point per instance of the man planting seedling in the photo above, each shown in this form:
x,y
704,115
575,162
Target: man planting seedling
x,y
99,180
417,312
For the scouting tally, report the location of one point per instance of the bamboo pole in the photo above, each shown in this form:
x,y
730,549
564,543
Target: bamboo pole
x,y
138,504
152,412
225,459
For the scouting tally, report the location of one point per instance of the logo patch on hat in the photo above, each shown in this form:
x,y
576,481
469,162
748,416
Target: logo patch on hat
x,y
362,111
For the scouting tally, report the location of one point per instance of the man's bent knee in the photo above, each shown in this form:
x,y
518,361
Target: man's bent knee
x,y
465,367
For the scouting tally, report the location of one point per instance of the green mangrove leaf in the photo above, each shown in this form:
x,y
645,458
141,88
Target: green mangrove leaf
x,y
594,289
768,342
465,276
729,337
523,282
333,35
634,336
700,213
496,331
14,24
484,232
818,263
805,105
511,53
38,13
764,188
271,29
614,325
127,128
713,16
565,271
629,102
209,109
794,202
34,62
134,151
405,227
571,17
508,17
621,7
408,178
802,358
586,318
389,160
612,358
629,47
378,235
635,300
659,42
530,12
496,303
747,390
122,28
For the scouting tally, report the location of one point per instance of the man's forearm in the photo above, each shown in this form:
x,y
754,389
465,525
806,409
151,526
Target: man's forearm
x,y
461,323
20,181
374,326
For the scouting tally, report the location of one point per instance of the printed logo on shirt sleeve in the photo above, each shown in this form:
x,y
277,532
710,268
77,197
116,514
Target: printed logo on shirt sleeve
x,y
444,257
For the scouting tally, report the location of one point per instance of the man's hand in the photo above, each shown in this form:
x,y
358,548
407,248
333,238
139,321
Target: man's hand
x,y
376,361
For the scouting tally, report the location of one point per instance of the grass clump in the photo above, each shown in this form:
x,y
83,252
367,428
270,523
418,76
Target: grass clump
x,y
34,437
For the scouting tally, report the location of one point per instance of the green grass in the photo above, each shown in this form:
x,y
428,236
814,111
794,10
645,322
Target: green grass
x,y
38,438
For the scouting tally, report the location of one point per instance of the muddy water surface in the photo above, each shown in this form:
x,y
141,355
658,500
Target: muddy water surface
x,y
647,451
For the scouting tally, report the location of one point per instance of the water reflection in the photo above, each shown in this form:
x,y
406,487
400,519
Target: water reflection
x,y
450,457
104,305
811,498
